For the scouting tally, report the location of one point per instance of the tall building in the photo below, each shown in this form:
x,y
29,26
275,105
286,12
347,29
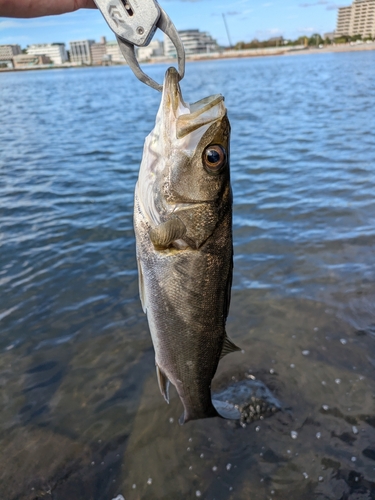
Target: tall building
x,y
80,51
195,42
357,19
55,51
9,51
98,51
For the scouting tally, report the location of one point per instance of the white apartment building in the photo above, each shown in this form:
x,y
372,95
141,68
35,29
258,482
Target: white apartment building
x,y
153,49
9,51
80,51
195,42
114,53
54,51
357,19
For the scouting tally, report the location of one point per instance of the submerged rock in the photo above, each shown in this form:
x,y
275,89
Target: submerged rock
x,y
248,400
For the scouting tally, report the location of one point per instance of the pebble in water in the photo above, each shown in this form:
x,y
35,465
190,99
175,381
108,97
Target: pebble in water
x,y
252,398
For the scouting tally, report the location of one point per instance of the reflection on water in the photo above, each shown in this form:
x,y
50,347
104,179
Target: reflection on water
x,y
81,413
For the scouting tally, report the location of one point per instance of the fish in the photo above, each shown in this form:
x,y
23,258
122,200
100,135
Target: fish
x,y
184,248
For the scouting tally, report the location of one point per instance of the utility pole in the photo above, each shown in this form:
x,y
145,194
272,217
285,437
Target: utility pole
x,y
227,30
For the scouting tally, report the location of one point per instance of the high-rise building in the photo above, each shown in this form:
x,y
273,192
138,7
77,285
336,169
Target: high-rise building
x,y
80,51
357,19
9,51
195,42
98,51
55,51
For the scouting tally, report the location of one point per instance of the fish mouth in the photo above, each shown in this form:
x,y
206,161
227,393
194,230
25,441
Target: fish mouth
x,y
189,117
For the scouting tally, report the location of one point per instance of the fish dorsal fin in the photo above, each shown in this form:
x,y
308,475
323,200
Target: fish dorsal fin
x,y
141,287
228,347
163,383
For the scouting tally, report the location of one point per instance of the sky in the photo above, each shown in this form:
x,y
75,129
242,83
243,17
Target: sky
x,y
246,20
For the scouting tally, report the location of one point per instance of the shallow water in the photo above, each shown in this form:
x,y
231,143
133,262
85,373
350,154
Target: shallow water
x,y
81,413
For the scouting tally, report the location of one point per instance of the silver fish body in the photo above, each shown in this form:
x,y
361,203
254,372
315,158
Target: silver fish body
x,y
183,227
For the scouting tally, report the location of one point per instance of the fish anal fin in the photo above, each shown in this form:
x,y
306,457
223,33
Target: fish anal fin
x,y
163,235
228,347
163,383
141,286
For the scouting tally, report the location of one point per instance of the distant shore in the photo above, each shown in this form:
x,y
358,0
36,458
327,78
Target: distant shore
x,y
228,54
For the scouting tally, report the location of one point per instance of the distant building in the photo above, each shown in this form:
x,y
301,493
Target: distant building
x,y
114,53
55,51
9,51
98,51
195,42
357,19
26,60
329,36
80,51
153,49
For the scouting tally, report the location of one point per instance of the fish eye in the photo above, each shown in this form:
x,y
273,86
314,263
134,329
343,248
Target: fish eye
x,y
214,158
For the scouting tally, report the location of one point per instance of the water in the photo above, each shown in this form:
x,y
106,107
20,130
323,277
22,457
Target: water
x,y
81,414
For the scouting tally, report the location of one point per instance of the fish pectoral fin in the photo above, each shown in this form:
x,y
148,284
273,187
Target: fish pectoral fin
x,y
163,235
228,347
163,383
141,287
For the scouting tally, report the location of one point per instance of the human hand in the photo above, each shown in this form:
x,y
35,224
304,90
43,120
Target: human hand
x,y
39,8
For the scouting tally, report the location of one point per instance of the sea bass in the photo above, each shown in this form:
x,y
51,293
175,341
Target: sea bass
x,y
183,227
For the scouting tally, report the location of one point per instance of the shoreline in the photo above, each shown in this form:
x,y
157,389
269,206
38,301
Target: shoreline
x,y
232,54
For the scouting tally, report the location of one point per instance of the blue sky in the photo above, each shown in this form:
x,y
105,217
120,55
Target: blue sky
x,y
246,19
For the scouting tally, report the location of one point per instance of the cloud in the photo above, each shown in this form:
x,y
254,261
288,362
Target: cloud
x,y
329,5
307,30
319,2
266,34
